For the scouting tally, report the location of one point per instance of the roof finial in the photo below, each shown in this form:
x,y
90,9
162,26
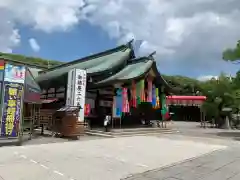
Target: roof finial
x,y
130,43
152,54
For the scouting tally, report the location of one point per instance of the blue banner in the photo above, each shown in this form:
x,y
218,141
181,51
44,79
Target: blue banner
x,y
119,103
11,115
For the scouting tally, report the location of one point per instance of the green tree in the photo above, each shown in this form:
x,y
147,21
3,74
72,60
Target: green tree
x,y
232,54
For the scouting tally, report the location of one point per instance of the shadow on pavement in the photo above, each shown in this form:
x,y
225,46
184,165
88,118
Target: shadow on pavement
x,y
235,135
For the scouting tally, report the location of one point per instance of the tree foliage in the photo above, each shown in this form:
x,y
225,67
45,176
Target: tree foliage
x,y
222,92
232,54
183,85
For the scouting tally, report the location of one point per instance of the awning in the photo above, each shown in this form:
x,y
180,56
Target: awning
x,y
47,101
32,91
186,100
69,108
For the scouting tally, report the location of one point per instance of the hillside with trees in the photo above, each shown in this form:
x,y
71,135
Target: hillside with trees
x,y
30,60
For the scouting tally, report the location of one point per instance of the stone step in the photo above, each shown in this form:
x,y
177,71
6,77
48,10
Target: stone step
x,y
128,133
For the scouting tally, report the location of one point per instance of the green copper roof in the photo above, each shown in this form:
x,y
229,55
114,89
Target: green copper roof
x,y
135,69
93,64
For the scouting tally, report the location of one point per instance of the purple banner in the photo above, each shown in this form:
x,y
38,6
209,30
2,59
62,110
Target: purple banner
x,y
11,109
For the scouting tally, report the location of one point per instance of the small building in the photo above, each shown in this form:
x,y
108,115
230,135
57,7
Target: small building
x,y
118,84
68,96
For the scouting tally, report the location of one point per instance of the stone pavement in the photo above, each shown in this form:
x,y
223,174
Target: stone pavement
x,y
219,165
102,159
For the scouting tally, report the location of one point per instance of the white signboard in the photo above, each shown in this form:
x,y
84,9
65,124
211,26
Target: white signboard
x,y
80,91
76,90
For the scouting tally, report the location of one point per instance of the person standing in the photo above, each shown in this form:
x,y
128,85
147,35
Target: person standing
x,y
107,122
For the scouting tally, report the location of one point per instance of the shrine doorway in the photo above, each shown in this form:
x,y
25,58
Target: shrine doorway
x,y
186,108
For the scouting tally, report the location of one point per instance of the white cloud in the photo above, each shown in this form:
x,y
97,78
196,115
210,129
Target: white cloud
x,y
189,36
44,15
34,44
9,36
207,77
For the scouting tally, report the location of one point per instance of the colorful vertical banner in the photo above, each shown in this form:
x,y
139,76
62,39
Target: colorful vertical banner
x,y
11,115
157,99
142,82
15,74
154,99
150,88
1,70
138,92
114,107
119,103
125,103
164,109
134,95
87,109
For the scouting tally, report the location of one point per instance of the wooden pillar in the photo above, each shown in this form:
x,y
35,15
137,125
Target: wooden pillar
x,y
201,116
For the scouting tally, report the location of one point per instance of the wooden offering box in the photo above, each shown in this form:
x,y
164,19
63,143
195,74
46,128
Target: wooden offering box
x,y
67,123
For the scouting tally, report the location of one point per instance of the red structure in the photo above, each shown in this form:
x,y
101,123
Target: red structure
x,y
186,100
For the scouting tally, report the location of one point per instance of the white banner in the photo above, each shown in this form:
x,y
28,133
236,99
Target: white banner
x,y
76,90
80,91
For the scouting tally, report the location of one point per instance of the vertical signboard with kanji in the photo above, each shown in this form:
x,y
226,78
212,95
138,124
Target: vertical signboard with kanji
x,y
80,91
11,115
13,88
76,90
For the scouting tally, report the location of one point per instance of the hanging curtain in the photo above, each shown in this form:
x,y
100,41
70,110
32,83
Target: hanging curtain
x,y
119,102
114,107
125,104
150,87
134,95
164,109
142,83
138,92
154,100
157,99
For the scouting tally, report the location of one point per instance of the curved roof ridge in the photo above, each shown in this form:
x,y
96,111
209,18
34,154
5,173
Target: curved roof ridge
x,y
139,59
123,47
133,70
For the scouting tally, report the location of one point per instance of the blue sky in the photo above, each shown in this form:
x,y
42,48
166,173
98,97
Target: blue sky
x,y
188,41
80,41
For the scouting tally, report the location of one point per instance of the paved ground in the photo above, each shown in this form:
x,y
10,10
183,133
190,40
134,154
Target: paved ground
x,y
45,139
220,165
104,159
152,157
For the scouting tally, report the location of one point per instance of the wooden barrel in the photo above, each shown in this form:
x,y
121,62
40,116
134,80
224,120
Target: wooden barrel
x,y
71,126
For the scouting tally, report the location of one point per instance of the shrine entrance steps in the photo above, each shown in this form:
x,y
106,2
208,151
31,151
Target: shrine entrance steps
x,y
128,132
